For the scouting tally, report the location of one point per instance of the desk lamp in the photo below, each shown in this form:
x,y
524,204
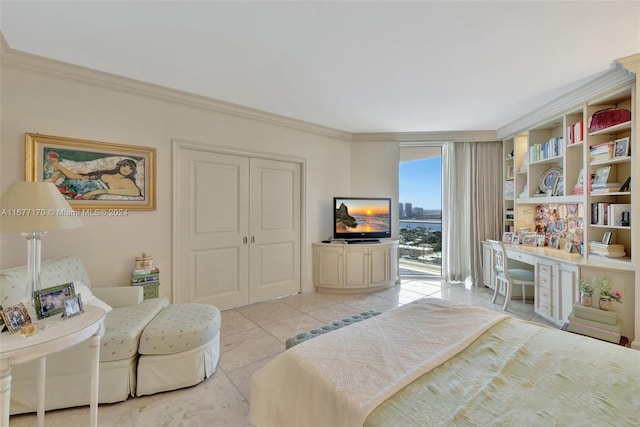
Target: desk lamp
x,y
33,209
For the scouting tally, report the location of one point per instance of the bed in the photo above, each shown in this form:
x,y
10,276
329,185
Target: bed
x,y
434,362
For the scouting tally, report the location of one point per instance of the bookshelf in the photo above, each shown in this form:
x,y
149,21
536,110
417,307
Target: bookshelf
x,y
566,182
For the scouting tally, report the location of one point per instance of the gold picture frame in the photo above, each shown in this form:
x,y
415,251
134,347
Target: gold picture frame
x,y
15,317
50,301
92,174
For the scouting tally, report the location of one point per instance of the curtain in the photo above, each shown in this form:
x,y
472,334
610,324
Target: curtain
x,y
472,202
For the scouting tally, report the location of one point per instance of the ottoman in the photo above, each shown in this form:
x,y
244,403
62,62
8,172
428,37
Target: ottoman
x,y
179,348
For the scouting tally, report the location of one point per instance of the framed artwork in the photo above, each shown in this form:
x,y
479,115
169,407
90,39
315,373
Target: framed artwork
x,y
510,172
507,237
621,147
94,175
50,301
602,175
73,306
554,243
548,179
15,317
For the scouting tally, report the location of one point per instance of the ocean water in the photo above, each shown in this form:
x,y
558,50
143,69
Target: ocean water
x,y
427,226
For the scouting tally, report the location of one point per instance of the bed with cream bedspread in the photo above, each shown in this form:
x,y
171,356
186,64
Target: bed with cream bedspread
x,y
433,362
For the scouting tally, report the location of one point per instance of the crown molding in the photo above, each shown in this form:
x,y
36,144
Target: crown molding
x,y
631,63
418,137
608,81
12,58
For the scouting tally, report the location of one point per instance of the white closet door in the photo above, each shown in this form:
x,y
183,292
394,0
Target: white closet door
x,y
275,229
212,219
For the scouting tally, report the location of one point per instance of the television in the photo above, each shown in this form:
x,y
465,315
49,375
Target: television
x,y
361,219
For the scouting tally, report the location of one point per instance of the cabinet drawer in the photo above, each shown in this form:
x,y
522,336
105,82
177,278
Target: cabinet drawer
x,y
545,276
544,309
522,257
544,296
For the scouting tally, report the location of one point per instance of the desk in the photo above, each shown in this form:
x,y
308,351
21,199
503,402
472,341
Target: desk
x,y
62,334
556,280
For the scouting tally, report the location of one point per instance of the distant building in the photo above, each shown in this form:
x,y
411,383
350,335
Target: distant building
x,y
401,210
418,212
408,209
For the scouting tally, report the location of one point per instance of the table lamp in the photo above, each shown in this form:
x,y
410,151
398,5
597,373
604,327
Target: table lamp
x,y
33,209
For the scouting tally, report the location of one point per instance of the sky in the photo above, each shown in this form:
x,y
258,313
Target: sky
x,y
421,183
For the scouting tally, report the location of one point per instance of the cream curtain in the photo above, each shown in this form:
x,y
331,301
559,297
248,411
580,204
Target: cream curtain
x,y
472,200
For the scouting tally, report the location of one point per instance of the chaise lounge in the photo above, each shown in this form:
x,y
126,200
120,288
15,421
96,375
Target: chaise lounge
x,y
147,346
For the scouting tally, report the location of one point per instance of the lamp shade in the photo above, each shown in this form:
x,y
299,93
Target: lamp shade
x,y
35,207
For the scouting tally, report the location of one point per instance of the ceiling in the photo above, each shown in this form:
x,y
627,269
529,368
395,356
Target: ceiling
x,y
359,66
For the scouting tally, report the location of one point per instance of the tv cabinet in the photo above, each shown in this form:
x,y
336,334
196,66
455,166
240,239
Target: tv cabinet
x,y
343,268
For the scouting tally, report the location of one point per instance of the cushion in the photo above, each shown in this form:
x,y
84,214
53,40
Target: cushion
x,y
179,328
123,328
521,274
88,298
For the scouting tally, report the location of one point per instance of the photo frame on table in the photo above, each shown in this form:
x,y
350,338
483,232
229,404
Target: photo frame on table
x,y
515,240
507,237
73,306
50,301
554,243
621,147
15,317
530,240
92,174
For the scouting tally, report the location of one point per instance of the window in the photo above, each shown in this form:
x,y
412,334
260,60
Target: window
x,y
420,210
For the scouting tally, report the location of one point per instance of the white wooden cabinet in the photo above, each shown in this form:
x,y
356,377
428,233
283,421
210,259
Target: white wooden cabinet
x,y
339,267
556,289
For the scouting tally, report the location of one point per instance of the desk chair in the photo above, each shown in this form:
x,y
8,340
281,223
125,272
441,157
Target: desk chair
x,y
507,277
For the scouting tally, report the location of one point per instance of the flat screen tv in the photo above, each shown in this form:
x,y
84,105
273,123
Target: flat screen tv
x,y
361,219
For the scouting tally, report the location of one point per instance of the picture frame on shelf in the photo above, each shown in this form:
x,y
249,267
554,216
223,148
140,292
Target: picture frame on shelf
x,y
558,187
50,301
626,185
621,147
606,238
93,174
15,317
73,306
510,172
602,175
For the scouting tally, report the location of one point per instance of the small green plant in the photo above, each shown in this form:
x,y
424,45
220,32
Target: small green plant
x,y
585,287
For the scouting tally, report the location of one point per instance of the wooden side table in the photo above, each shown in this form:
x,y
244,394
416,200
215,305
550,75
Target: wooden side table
x,y
60,335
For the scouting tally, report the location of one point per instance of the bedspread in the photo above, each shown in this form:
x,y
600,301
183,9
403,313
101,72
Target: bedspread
x,y
524,374
337,379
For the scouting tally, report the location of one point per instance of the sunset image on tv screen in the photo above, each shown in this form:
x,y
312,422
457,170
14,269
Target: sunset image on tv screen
x,y
359,216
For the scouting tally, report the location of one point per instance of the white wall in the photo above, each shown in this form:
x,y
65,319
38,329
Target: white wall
x,y
58,99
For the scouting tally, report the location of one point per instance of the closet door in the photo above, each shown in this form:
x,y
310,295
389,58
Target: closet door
x,y
237,228
275,229
212,223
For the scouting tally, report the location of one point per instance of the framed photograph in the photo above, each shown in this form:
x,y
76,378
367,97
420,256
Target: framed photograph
x,y
530,240
510,172
515,240
540,239
50,301
94,175
606,238
73,306
554,243
568,246
558,188
507,237
15,317
621,147
602,175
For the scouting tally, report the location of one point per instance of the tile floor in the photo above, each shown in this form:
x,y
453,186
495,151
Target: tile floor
x,y
250,337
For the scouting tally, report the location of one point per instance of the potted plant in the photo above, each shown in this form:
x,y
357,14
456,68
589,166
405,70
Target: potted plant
x,y
607,295
586,292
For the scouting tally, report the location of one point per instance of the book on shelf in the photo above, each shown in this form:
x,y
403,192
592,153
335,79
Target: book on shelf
x,y
575,133
608,254
606,246
141,277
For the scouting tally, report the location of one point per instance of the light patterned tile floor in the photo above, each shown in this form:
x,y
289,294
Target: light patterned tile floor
x,y
250,337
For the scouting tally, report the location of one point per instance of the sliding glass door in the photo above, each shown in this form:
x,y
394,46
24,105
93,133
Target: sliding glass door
x,y
420,210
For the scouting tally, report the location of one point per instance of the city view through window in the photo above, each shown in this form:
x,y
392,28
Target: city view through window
x,y
420,211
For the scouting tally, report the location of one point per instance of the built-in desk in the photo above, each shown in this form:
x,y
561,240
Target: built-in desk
x,y
556,280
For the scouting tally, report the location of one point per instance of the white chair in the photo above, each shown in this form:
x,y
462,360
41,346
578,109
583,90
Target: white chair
x,y
507,277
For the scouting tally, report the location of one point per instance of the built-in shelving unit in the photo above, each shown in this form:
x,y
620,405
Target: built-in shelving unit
x,y
549,170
